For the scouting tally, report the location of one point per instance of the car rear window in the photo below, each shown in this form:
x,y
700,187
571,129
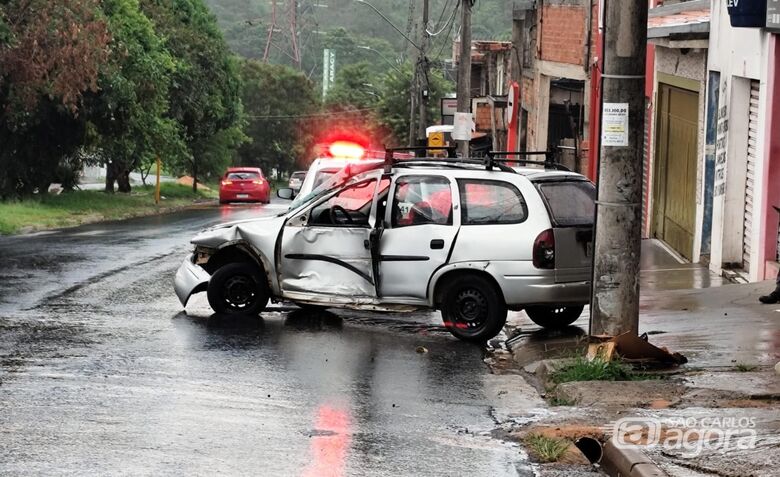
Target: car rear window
x,y
298,175
572,203
243,176
485,202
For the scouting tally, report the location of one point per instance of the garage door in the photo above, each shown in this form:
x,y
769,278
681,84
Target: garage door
x,y
747,223
674,189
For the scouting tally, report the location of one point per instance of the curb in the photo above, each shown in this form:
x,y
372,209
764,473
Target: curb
x,y
622,462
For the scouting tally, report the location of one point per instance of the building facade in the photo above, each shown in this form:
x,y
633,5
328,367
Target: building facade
x,y
742,150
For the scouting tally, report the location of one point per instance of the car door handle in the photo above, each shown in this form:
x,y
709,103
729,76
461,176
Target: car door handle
x,y
437,244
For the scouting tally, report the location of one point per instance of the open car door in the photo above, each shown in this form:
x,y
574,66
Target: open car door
x,y
325,249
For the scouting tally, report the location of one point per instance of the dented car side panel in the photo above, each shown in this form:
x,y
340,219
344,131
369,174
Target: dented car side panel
x,y
327,261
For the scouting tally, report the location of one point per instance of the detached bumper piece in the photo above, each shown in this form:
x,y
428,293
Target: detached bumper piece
x,y
190,279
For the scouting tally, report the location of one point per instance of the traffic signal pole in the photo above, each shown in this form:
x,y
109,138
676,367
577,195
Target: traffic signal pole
x,y
615,296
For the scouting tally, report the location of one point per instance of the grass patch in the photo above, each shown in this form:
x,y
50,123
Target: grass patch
x,y
745,368
546,449
77,207
580,369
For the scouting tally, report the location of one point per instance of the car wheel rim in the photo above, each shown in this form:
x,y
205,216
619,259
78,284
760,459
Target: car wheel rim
x,y
471,309
239,292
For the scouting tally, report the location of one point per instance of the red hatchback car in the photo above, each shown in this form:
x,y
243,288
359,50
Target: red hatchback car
x,y
244,184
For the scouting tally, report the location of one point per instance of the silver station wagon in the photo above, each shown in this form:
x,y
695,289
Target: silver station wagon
x,y
471,239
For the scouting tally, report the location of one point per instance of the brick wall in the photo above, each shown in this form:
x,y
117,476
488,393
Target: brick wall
x,y
562,34
482,117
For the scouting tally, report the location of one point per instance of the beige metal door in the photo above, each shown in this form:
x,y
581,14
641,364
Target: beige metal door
x,y
747,223
674,191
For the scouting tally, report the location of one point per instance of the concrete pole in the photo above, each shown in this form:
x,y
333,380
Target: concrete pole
x,y
412,103
615,300
464,69
422,64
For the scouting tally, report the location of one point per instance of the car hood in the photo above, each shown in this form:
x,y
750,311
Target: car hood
x,y
261,233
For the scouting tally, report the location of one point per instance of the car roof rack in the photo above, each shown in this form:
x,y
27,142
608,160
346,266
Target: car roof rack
x,y
490,161
548,161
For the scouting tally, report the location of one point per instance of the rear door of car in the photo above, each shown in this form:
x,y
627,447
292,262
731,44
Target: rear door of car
x,y
417,234
570,201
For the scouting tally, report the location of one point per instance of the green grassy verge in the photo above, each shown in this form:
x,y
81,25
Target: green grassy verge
x,y
546,449
580,369
78,207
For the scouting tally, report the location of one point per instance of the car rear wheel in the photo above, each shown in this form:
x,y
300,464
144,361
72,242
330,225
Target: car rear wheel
x,y
238,289
472,309
554,316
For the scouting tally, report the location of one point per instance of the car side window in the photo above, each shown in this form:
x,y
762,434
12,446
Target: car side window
x,y
487,202
351,207
420,200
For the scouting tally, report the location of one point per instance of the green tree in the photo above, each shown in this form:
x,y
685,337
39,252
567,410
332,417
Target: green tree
x,y
355,87
129,115
205,91
41,87
275,98
394,107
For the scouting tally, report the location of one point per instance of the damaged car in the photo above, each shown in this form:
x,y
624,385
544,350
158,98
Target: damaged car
x,y
455,236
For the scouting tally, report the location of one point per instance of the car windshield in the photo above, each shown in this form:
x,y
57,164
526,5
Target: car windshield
x,y
242,176
322,176
332,180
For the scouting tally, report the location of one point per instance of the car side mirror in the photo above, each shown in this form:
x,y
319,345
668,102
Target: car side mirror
x,y
285,193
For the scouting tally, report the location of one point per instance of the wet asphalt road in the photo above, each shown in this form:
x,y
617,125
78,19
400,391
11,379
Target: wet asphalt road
x,y
101,372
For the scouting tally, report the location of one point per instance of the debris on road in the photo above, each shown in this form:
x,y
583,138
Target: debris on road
x,y
632,348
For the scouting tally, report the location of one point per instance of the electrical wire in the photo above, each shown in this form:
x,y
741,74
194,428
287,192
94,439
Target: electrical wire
x,y
314,115
446,25
446,40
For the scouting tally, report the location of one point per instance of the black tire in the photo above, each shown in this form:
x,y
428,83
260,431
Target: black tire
x,y
554,317
238,289
472,309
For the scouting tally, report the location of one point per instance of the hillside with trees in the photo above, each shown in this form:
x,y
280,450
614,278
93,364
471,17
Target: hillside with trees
x,y
374,62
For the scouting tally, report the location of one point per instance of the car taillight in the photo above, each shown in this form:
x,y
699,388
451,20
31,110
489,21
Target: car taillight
x,y
257,182
544,250
227,182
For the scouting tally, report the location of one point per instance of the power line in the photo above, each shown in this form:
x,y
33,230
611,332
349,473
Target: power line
x,y
446,39
449,22
314,115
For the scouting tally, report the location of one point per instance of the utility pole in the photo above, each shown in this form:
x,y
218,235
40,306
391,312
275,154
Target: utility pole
x,y
412,103
615,300
464,69
422,83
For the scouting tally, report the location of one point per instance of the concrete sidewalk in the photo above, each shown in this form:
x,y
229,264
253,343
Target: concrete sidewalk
x,y
732,343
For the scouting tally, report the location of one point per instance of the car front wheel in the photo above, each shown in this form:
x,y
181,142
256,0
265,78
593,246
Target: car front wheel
x,y
238,289
554,316
472,309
